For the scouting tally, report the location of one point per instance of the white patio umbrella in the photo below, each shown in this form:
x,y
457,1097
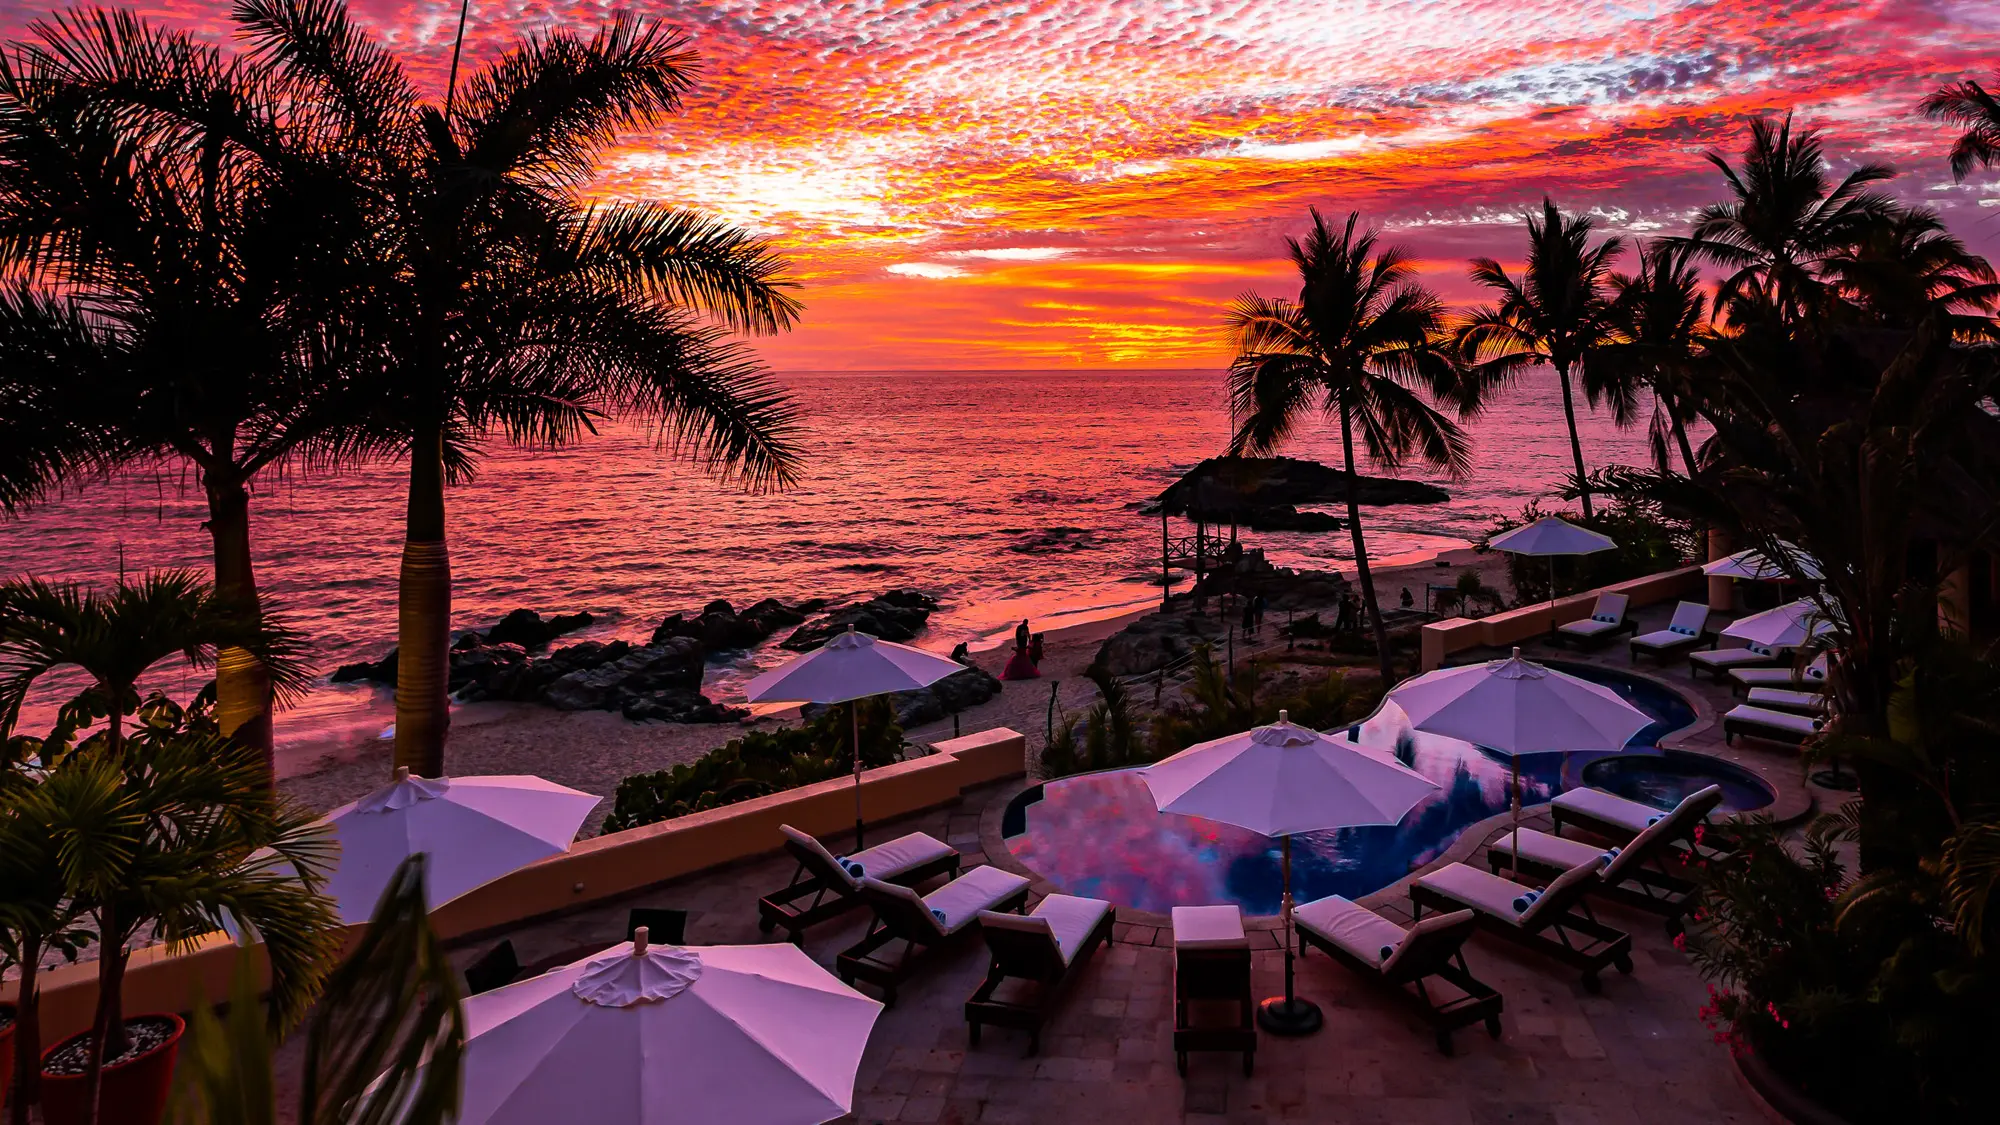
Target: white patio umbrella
x,y
1788,626
475,830
849,668
1551,536
645,1034
1278,780
1752,565
1519,707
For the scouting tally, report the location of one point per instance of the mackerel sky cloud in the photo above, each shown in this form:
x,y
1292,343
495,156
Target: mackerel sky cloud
x,y
1061,183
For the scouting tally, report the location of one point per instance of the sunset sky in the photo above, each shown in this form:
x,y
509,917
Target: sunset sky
x,y
1084,183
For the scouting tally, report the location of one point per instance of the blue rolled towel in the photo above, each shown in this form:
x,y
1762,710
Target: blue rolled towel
x,y
849,866
1652,820
1387,950
1612,854
939,915
1522,904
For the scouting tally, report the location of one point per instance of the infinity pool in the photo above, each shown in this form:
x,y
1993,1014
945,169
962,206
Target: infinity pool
x,y
1099,835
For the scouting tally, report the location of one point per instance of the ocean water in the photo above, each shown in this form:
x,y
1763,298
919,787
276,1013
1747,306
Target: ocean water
x,y
1003,494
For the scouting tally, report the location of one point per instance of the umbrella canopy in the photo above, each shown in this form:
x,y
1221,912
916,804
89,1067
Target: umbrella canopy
x,y
1752,565
1283,779
1517,707
475,830
1788,626
652,1035
851,666
1552,535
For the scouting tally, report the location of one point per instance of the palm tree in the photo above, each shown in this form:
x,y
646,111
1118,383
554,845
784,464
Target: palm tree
x,y
1358,344
1898,270
1555,315
37,918
116,638
168,241
1784,222
502,303
1968,106
1657,317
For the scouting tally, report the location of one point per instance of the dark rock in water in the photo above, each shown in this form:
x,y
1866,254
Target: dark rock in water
x,y
1265,493
527,628
671,705
719,627
1054,541
381,671
1152,642
896,615
966,688
612,684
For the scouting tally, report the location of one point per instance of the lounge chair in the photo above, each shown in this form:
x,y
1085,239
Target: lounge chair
x,y
834,889
1810,678
1646,873
1046,949
1620,820
1762,722
1407,962
921,923
1717,661
1690,623
1607,619
1785,699
1555,921
1212,968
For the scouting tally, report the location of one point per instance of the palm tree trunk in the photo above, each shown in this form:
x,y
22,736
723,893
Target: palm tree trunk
x,y
1680,435
109,1041
1575,444
423,616
1361,552
242,685
27,1036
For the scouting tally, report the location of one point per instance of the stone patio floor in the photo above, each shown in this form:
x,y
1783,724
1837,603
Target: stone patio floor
x,y
1635,1055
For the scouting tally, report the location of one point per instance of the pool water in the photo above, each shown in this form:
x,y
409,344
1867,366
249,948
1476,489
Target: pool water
x,y
1100,835
1664,779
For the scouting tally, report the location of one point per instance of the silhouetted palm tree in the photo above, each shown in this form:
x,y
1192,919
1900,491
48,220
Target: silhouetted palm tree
x,y
503,303
1658,317
173,285
1784,221
1555,314
1968,106
1900,269
1358,345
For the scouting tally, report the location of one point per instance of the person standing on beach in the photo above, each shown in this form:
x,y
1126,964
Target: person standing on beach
x,y
1021,636
1344,623
1259,605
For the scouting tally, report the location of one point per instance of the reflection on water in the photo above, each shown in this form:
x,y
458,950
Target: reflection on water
x,y
1100,834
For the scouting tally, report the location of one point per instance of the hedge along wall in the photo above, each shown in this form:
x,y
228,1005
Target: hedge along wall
x,y
605,867
1442,638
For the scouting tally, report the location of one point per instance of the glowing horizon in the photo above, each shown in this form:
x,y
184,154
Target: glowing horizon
x,y
1033,184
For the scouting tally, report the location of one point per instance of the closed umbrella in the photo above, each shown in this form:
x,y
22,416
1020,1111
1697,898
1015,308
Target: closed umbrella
x,y
1551,536
849,668
475,829
1754,566
1518,707
1788,626
1278,780
644,1034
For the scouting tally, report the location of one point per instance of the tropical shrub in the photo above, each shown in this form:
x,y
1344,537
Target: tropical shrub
x,y
758,763
1649,540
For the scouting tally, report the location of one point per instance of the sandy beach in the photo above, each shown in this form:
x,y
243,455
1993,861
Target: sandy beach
x,y
594,750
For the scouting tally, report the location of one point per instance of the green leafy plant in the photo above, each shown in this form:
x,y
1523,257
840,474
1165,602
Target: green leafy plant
x,y
38,918
1469,590
759,763
384,1046
1649,540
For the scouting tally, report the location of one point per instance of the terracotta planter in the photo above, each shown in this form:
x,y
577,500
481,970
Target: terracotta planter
x,y
7,1049
135,1091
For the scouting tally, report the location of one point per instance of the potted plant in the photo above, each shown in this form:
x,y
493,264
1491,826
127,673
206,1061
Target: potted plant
x,y
37,918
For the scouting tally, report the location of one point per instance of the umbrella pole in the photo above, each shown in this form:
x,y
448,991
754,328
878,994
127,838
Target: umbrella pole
x,y
1514,859
854,710
1288,1015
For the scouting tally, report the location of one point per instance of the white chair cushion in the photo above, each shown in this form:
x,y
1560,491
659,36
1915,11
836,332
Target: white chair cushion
x,y
1546,850
899,891
995,920
1728,657
1424,926
1070,920
1478,890
1209,927
904,853
1663,638
1690,618
1769,677
1787,699
1776,720
1596,804
961,900
1589,627
826,857
1357,929
1563,887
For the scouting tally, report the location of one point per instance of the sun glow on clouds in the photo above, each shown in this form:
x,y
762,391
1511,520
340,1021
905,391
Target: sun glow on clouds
x,y
1088,182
